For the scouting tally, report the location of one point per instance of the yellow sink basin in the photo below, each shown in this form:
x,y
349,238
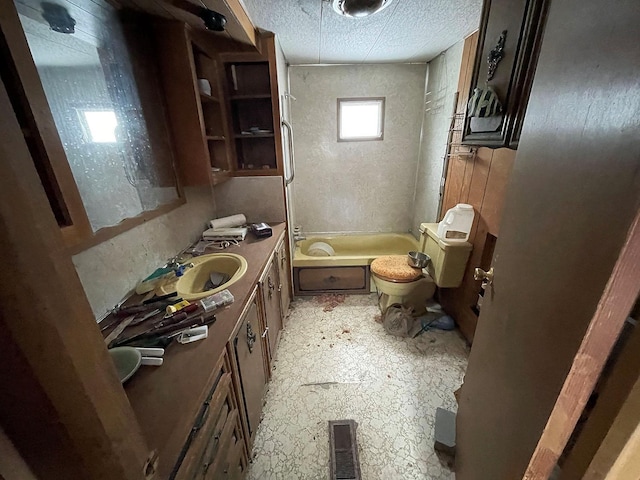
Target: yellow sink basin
x,y
190,286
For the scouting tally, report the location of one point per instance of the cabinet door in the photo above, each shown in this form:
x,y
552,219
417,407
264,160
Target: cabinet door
x,y
516,25
285,280
271,302
249,358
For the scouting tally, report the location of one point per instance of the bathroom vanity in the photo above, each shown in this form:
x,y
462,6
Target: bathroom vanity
x,y
201,409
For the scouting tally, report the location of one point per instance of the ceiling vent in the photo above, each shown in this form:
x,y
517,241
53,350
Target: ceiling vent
x,y
359,8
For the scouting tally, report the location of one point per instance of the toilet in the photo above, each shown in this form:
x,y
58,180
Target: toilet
x,y
397,282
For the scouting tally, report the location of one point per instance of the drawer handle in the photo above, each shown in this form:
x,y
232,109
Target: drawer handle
x,y
264,334
333,279
203,417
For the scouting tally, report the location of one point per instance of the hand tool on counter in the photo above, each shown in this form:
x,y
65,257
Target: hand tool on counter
x,y
160,298
113,336
147,316
151,356
168,331
145,307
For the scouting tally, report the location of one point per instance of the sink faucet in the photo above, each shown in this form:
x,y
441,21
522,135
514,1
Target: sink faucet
x,y
177,267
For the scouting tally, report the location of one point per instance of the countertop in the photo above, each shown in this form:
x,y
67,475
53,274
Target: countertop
x,y
167,399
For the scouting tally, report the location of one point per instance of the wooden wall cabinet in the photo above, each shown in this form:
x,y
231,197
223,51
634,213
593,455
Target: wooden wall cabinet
x,y
198,121
522,23
253,109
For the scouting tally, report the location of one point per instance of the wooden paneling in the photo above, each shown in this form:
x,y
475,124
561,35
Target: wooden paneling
x,y
561,286
489,173
479,180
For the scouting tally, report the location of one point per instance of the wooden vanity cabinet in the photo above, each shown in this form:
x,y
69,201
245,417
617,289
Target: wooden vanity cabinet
x,y
285,278
270,293
523,21
215,448
248,355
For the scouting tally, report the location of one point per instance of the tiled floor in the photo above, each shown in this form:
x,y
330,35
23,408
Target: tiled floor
x,y
335,362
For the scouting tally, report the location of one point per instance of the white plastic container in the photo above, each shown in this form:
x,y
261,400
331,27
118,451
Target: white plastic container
x,y
456,224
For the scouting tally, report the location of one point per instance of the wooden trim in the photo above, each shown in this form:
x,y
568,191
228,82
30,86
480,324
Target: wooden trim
x,y
63,406
270,41
614,385
35,102
79,235
239,14
108,233
616,302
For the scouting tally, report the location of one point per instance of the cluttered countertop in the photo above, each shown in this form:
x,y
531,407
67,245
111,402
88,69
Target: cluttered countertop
x,y
166,399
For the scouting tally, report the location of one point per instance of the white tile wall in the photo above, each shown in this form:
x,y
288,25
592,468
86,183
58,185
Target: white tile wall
x,y
444,71
355,186
112,269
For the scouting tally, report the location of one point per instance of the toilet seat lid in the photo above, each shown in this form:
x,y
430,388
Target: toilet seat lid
x,y
394,268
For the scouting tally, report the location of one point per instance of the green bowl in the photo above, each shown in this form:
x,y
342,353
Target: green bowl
x,y
127,361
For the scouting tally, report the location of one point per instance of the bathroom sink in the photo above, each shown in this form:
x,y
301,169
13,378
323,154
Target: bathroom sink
x,y
191,285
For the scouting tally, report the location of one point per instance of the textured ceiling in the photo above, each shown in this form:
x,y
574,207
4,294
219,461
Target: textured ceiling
x,y
406,31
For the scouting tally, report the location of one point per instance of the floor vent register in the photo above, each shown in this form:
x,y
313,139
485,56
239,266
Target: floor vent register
x,y
345,464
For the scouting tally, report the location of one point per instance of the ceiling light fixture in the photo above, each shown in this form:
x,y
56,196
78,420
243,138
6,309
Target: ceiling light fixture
x,y
359,8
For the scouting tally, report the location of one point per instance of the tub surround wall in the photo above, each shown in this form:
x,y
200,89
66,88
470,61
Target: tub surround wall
x,y
441,88
110,270
261,199
355,186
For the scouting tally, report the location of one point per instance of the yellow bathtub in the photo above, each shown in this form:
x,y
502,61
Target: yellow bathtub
x,y
347,271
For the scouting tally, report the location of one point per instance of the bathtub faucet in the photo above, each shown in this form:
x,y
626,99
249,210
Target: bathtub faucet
x,y
297,234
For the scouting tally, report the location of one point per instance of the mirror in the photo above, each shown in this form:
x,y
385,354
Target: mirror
x,y
118,151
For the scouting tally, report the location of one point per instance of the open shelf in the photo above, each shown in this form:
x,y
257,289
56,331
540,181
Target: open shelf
x,y
208,98
216,138
256,135
250,97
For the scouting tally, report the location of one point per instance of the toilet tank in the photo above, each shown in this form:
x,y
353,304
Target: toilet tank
x,y
448,260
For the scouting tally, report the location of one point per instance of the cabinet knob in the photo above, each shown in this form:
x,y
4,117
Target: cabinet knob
x,y
486,277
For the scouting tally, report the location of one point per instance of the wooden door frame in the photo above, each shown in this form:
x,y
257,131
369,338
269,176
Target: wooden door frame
x,y
62,404
614,306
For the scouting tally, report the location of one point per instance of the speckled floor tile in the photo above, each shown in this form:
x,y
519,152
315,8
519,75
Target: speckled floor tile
x,y
338,363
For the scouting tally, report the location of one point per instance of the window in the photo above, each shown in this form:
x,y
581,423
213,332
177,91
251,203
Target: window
x,y
101,125
360,119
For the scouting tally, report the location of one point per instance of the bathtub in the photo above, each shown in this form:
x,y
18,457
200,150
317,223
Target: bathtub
x,y
348,270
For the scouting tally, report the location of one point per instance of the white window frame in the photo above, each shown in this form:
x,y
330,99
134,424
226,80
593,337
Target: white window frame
x,y
379,101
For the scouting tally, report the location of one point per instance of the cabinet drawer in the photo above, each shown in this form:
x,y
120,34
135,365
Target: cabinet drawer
x,y
217,413
331,279
221,464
